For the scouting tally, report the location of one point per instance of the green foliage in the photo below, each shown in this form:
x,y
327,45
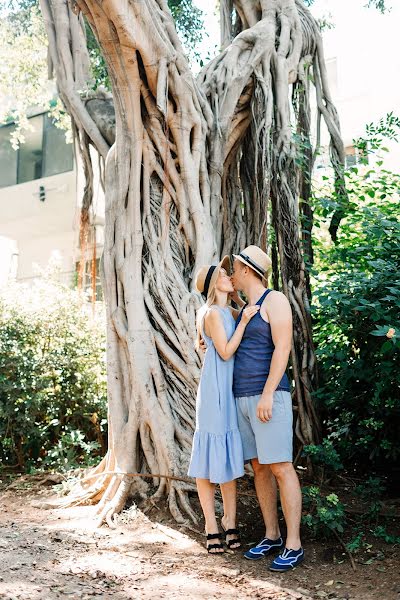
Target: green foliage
x,y
23,72
23,53
357,543
324,455
382,6
189,25
52,378
373,487
381,533
97,62
325,514
387,127
357,318
371,491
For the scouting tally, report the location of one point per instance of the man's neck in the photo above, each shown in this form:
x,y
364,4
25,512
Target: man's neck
x,y
254,292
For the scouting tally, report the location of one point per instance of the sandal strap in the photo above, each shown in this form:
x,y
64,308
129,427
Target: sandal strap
x,y
211,546
231,532
213,536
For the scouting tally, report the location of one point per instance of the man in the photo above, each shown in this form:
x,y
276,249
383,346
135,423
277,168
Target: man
x,y
262,392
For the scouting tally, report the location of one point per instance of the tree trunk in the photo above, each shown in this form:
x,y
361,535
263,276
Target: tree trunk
x,y
189,177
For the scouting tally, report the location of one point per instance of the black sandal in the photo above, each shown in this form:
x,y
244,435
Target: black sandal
x,y
214,536
235,540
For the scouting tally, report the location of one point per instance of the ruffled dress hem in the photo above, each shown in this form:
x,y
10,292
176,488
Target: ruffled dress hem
x,y
217,457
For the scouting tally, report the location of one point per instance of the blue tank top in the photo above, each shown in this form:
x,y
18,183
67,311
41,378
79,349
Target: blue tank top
x,y
254,355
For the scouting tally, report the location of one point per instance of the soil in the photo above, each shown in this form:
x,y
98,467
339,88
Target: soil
x,y
49,554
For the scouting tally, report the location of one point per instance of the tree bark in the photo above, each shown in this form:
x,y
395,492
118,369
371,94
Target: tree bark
x,y
191,168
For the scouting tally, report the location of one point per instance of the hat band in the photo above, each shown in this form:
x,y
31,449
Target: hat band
x,y
211,270
251,262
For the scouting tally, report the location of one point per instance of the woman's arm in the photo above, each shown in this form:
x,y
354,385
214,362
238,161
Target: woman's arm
x,y
216,330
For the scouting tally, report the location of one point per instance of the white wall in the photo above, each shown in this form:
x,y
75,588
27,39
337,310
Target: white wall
x,y
362,53
41,230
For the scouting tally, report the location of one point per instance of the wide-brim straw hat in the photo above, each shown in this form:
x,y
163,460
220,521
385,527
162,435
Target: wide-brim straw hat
x,y
256,259
207,276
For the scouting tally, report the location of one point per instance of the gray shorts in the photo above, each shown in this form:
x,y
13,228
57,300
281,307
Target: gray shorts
x,y
270,442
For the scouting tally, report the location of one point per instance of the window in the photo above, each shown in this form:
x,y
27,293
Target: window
x,y
44,153
8,158
30,153
57,154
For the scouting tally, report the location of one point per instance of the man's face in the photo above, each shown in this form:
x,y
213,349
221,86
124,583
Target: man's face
x,y
237,275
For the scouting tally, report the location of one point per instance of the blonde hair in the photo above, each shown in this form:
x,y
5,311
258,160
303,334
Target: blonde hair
x,y
201,313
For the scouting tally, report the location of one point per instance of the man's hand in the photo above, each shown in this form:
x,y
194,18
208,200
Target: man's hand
x,y
264,408
203,346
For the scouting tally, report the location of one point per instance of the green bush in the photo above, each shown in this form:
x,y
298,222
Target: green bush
x,y
52,378
325,514
357,324
324,455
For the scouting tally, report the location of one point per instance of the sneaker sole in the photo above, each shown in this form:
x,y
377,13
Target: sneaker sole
x,y
289,568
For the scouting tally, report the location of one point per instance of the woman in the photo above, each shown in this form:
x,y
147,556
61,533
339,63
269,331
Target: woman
x,y
217,454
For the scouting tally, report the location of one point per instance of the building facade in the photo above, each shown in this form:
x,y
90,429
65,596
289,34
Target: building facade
x,y
40,188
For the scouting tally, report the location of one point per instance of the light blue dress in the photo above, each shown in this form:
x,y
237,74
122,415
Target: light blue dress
x,y
217,452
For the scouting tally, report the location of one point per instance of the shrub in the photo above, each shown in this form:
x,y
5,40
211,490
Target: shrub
x,y
357,323
52,377
324,455
325,514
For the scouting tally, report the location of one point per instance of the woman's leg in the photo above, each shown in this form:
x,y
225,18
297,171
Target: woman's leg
x,y
206,492
228,491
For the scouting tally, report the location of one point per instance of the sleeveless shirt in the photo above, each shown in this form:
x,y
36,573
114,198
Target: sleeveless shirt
x,y
253,356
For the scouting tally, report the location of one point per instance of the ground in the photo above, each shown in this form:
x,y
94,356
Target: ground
x,y
49,554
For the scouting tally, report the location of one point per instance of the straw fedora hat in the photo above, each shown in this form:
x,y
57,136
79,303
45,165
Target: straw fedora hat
x,y
256,259
207,276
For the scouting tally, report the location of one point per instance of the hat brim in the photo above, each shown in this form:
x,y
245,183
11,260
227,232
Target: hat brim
x,y
225,263
242,260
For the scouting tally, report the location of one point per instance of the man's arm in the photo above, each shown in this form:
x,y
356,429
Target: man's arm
x,y
280,319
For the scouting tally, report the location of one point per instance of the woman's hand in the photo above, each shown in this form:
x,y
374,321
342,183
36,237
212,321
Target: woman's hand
x,y
203,346
249,313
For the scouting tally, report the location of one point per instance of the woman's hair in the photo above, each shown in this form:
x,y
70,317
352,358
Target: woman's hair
x,y
201,313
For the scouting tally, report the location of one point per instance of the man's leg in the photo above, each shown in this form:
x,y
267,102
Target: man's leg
x,y
290,493
266,490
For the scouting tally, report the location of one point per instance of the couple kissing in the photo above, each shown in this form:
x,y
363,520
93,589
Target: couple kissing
x,y
244,407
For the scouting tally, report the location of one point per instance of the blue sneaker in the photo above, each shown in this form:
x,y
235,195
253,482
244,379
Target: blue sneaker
x,y
264,548
288,559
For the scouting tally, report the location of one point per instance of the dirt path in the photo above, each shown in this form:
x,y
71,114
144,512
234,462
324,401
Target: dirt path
x,y
49,554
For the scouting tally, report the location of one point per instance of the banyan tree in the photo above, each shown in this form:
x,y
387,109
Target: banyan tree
x,y
194,168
